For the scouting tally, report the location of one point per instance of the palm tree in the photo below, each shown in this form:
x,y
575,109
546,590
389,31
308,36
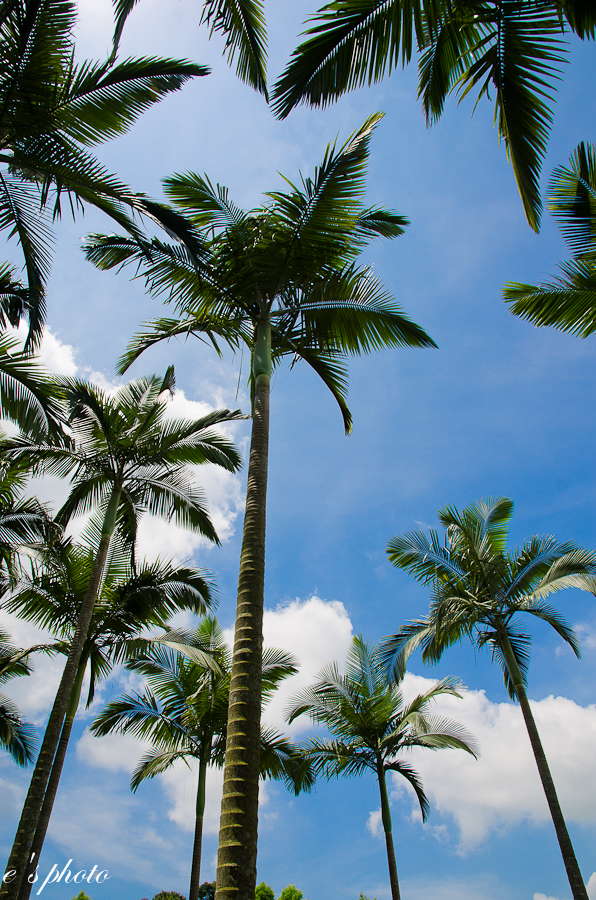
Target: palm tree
x,y
51,109
507,47
372,727
478,590
568,303
242,24
184,711
124,459
282,280
128,601
16,736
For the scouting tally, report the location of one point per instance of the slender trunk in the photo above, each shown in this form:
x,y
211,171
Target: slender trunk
x,y
237,855
576,882
195,872
386,818
54,780
21,849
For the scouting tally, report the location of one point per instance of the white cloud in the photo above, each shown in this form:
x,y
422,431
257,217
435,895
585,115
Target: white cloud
x,y
502,788
59,358
587,635
316,632
374,823
114,752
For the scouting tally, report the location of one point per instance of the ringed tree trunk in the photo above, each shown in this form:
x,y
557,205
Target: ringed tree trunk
x,y
195,871
386,818
21,848
237,854
54,780
578,888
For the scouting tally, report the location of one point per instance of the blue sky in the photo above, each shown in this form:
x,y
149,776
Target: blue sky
x,y
500,408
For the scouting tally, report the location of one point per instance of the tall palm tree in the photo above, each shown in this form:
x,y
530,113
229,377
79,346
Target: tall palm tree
x,y
569,302
16,736
479,588
510,48
128,602
282,280
240,22
51,109
184,712
371,727
125,458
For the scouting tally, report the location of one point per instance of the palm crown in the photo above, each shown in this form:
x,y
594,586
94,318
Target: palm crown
x,y
289,266
479,588
124,444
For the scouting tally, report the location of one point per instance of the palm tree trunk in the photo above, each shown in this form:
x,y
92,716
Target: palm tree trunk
x,y
576,882
386,818
195,871
21,848
54,780
237,855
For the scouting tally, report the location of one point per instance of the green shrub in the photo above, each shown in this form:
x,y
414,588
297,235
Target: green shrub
x,y
207,891
169,895
291,892
81,896
264,892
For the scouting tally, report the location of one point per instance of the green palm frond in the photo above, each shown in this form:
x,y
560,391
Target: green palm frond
x,y
28,396
101,101
571,197
350,43
510,48
411,776
568,303
241,23
154,763
49,109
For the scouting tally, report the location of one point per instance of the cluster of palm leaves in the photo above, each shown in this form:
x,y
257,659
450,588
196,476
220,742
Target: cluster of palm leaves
x,y
284,281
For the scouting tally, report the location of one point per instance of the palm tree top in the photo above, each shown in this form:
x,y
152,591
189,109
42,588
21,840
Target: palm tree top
x,y
479,586
370,722
125,442
290,263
